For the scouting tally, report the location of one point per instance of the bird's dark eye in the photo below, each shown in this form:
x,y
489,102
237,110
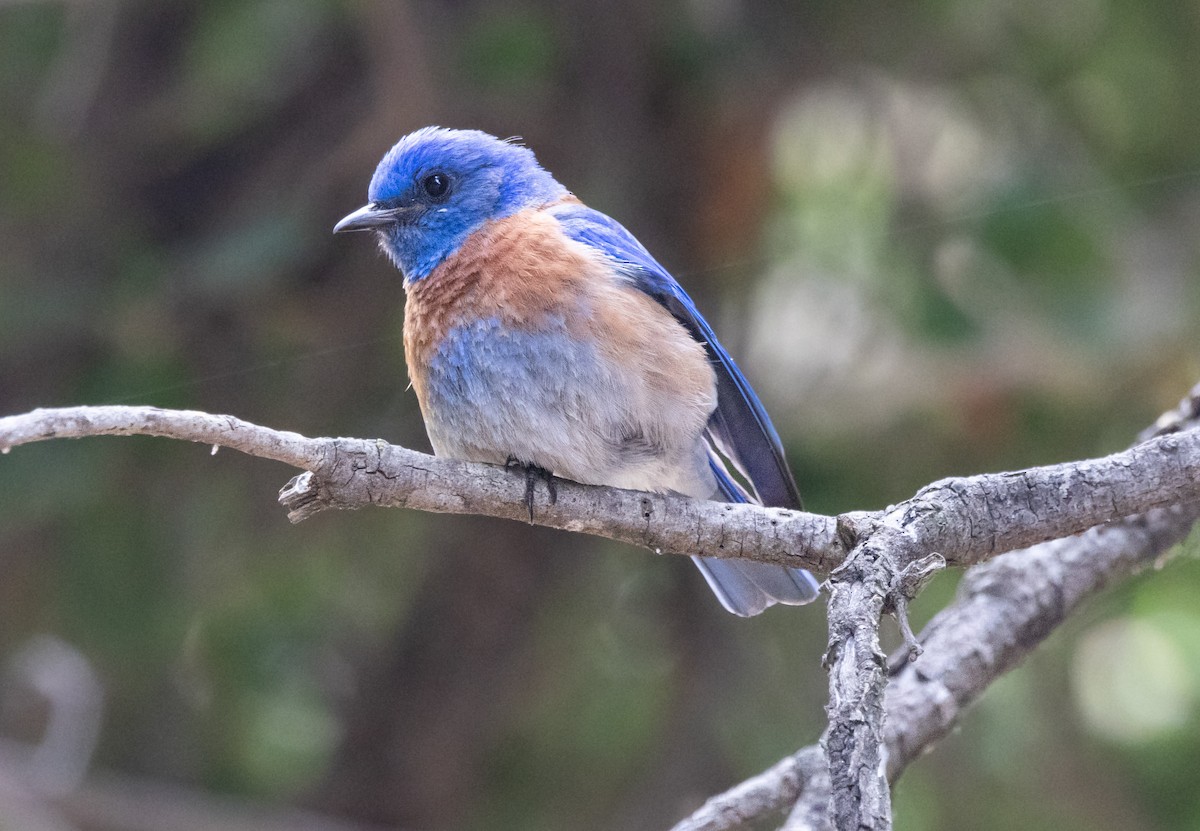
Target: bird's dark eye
x,y
436,184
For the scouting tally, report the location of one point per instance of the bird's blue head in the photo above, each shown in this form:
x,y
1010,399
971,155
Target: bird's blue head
x,y
436,186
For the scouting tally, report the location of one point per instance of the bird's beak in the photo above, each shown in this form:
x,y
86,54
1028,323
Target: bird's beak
x,y
366,218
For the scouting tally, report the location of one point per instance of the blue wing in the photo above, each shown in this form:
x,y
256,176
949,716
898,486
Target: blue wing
x,y
739,426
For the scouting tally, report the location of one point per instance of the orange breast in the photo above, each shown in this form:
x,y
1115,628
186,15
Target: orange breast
x,y
519,270
524,273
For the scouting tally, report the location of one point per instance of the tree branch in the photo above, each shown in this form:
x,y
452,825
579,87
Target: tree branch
x,y
354,473
771,791
1004,610
187,425
853,741
1008,606
965,519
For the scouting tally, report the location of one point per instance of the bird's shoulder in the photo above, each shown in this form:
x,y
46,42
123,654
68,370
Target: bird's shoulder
x,y
601,232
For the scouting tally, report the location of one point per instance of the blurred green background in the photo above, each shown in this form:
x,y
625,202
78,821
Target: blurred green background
x,y
941,237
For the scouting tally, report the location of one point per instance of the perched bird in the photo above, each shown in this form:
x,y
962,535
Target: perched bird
x,y
540,331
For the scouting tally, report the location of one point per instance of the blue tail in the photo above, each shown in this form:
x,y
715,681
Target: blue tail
x,y
746,588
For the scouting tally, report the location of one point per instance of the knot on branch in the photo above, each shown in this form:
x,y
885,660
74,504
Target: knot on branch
x,y
854,526
303,497
326,485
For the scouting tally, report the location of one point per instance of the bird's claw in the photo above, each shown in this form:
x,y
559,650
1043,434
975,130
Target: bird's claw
x,y
532,474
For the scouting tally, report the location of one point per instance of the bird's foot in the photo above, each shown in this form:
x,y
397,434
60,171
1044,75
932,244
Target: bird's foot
x,y
532,474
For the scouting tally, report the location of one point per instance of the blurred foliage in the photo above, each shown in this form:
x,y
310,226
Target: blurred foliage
x,y
943,238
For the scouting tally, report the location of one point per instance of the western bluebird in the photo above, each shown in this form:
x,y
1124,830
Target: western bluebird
x,y
539,330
